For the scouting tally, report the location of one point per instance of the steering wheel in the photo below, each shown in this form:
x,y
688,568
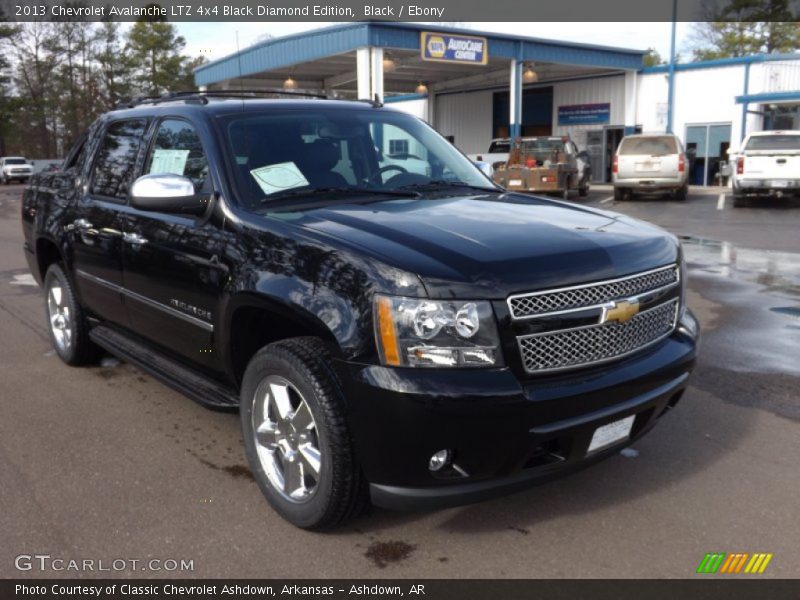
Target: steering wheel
x,y
372,178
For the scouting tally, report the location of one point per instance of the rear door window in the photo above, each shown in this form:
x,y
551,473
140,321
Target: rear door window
x,y
115,164
656,145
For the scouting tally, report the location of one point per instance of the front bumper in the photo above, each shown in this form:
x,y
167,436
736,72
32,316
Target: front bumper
x,y
505,434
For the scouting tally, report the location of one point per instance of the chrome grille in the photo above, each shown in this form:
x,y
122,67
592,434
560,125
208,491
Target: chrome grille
x,y
524,306
569,348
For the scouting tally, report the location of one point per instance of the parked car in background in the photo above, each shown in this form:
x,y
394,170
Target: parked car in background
x,y
546,165
650,163
768,165
15,168
497,154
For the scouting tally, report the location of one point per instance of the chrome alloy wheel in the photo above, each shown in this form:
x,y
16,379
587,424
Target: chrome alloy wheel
x,y
60,316
286,439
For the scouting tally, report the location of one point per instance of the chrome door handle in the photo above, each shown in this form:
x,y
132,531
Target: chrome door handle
x,y
134,238
80,224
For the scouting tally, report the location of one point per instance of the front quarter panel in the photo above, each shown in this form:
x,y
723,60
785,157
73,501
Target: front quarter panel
x,y
311,278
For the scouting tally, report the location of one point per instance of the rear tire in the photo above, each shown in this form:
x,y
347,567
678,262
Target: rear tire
x,y
739,201
583,191
296,436
619,194
68,327
682,193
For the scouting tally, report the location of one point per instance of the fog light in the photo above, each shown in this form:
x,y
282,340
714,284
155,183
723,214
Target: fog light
x,y
439,460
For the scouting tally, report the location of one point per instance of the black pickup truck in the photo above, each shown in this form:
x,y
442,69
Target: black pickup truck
x,y
399,330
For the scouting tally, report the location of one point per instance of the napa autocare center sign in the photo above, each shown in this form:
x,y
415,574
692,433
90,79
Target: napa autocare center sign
x,y
584,114
454,48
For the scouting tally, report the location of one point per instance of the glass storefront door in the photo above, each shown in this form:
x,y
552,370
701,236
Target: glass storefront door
x,y
706,146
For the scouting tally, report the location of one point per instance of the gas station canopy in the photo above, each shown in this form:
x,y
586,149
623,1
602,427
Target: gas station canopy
x,y
389,59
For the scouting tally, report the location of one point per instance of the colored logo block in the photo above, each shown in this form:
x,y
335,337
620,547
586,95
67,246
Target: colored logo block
x,y
734,563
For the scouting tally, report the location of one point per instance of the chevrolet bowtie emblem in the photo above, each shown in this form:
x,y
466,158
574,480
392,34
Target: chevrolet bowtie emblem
x,y
621,311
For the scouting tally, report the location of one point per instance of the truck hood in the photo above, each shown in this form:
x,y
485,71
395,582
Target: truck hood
x,y
492,245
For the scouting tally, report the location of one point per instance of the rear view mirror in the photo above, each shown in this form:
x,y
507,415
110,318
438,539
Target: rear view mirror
x,y
168,193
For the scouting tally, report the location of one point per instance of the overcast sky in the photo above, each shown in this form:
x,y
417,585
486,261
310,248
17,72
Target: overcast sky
x,y
215,40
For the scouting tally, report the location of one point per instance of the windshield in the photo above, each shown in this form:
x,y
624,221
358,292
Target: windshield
x,y
16,161
298,154
774,142
655,145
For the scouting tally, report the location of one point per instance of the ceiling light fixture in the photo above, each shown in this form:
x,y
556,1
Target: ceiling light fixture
x,y
530,76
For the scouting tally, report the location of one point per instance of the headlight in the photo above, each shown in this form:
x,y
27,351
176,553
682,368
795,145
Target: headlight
x,y
413,332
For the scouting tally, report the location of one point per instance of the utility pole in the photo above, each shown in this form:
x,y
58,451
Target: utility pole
x,y
671,83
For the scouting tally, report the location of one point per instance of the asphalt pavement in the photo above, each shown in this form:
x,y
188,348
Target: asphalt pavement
x,y
106,463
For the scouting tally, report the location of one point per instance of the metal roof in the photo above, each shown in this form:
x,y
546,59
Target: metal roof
x,y
330,41
719,63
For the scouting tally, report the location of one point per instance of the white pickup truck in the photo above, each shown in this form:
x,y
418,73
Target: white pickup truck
x,y
767,165
497,154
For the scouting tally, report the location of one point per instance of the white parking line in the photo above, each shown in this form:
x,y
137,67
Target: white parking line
x,y
606,200
721,202
24,279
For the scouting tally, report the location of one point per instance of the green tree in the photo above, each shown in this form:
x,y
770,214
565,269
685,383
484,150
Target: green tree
x,y
75,79
35,53
652,58
8,103
156,49
115,66
746,27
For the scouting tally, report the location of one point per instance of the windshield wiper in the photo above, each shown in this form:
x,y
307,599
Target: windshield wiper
x,y
444,183
356,191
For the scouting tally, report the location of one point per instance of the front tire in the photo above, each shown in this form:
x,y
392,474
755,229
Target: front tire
x,y
296,437
68,327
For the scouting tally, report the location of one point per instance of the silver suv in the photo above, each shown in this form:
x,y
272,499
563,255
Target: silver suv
x,y
650,163
15,167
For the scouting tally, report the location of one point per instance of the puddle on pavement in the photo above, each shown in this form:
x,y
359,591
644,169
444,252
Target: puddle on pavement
x,y
758,292
385,553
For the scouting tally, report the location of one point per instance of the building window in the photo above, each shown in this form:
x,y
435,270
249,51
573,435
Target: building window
x,y
398,147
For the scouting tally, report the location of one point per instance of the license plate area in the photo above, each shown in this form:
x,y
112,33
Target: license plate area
x,y
611,433
647,166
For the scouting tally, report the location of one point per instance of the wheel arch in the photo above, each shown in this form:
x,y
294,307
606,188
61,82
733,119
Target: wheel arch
x,y
254,320
47,253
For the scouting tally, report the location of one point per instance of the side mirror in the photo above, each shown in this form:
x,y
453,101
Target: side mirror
x,y
583,155
168,193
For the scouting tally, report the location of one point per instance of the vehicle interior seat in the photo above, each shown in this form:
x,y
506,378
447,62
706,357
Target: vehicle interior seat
x,y
317,161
